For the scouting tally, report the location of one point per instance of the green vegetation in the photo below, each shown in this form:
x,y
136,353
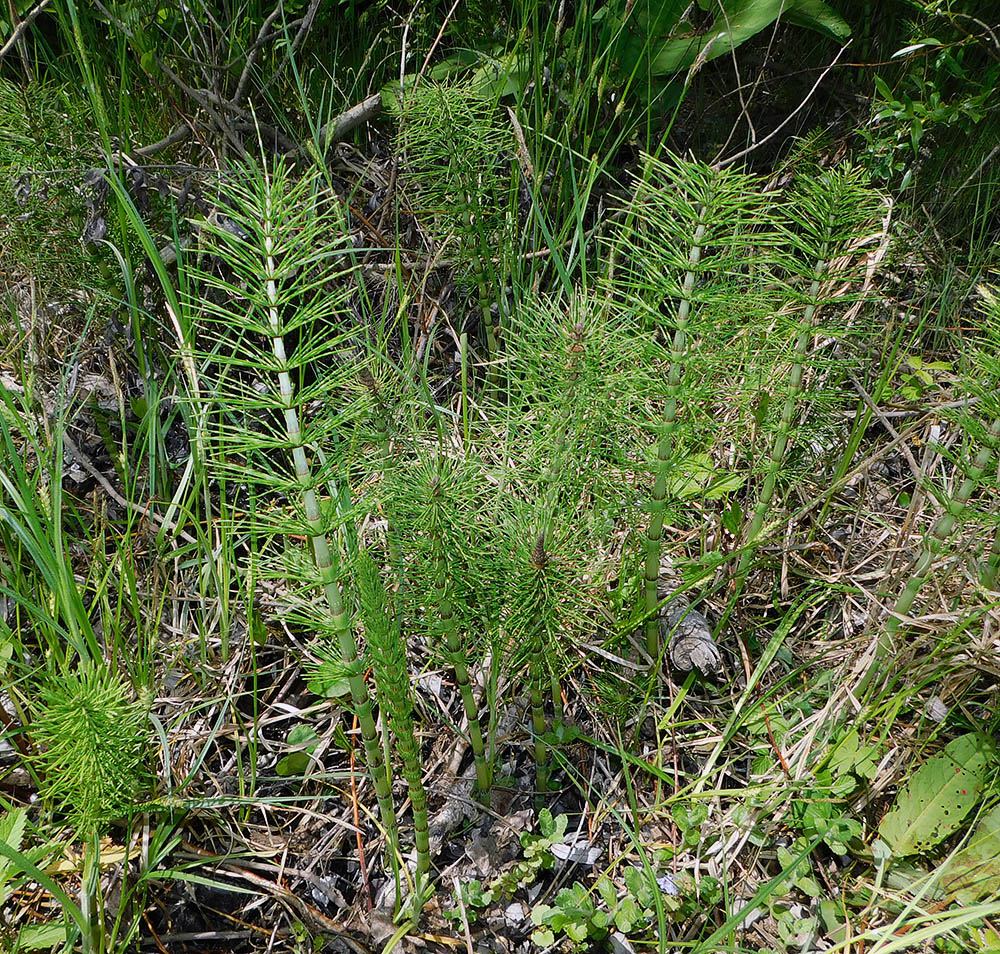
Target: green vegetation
x,y
561,441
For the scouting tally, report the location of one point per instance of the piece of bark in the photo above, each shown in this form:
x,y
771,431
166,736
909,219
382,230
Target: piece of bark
x,y
689,639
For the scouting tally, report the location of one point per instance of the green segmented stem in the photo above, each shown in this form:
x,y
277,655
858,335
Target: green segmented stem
x,y
325,556
939,536
664,452
935,544
780,443
453,643
538,667
536,697
483,293
392,676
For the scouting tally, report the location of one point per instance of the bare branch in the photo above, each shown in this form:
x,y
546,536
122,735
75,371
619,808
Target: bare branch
x,y
304,26
18,33
343,125
774,132
254,50
176,135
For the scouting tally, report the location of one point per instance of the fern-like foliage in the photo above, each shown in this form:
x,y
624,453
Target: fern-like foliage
x,y
457,157
440,515
685,258
92,738
280,376
392,676
829,218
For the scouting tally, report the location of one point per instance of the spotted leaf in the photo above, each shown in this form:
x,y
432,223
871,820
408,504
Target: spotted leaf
x,y
939,795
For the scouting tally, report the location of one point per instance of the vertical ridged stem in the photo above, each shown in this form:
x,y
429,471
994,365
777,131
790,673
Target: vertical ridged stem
x,y
93,935
664,452
325,556
536,697
381,420
558,713
401,722
939,535
392,677
482,291
456,655
464,357
537,667
554,481
780,444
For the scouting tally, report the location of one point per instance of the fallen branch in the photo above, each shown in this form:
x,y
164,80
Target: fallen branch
x,y
343,125
176,135
21,27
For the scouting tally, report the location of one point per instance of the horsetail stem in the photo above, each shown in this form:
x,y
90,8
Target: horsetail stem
x,y
479,273
835,211
780,443
388,654
453,642
381,418
326,556
664,452
537,666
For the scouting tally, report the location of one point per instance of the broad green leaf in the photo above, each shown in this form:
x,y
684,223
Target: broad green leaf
x,y
496,79
301,734
833,916
452,65
329,680
913,47
38,937
724,484
739,20
760,407
294,764
627,915
607,892
697,477
632,39
734,24
820,17
974,873
732,517
883,89
939,795
11,833
304,738
12,830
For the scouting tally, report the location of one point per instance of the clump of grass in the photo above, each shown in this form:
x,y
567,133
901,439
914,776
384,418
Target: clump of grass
x,y
981,385
44,155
